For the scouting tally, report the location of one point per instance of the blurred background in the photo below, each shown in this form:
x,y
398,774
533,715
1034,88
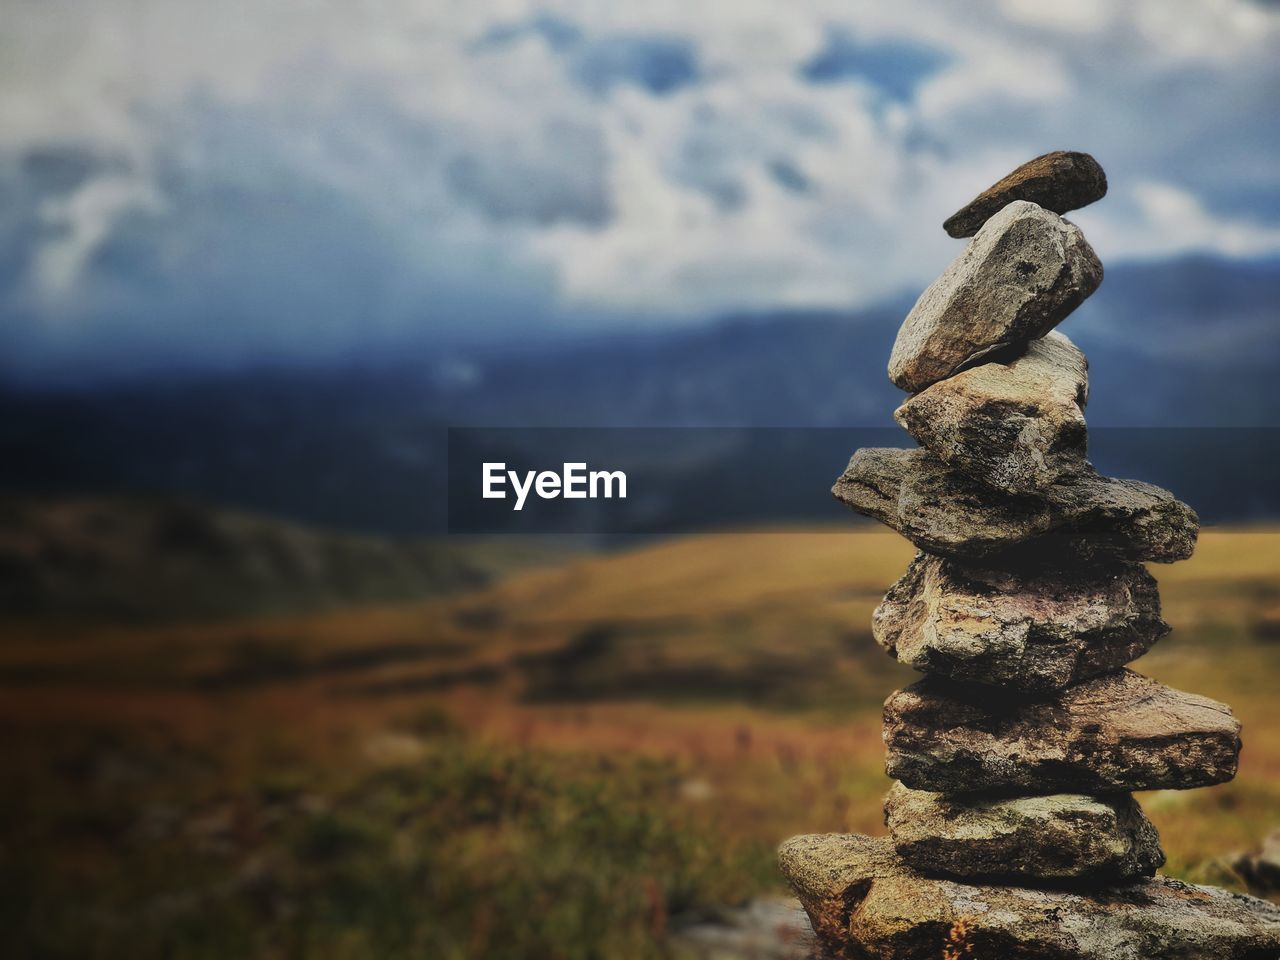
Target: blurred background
x,y
257,258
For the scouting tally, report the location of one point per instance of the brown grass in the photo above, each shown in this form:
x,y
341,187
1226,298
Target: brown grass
x,y
741,662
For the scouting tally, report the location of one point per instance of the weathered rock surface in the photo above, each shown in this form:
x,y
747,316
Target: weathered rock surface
x,y
1111,734
1029,631
864,901
1061,181
1062,837
1085,515
1026,269
1017,426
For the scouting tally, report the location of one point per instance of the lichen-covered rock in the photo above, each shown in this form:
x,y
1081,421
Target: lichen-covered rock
x,y
863,901
1015,425
1061,181
1026,269
1061,837
1085,515
1030,631
1112,734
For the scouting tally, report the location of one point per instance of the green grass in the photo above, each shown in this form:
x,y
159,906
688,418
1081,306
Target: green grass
x,y
475,850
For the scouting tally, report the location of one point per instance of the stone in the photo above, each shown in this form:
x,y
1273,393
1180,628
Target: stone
x,y
763,928
1017,426
1112,734
1260,868
1061,181
1059,838
1027,630
1016,280
1085,516
863,901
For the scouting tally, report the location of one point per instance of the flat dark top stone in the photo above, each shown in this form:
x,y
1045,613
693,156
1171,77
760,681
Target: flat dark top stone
x,y
1060,181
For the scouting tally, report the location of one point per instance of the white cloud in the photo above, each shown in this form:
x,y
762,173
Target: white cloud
x,y
78,224
1077,16
462,135
1164,220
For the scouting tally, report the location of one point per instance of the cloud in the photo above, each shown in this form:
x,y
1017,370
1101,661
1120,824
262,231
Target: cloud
x,y
1080,16
237,181
656,62
1165,221
896,67
79,223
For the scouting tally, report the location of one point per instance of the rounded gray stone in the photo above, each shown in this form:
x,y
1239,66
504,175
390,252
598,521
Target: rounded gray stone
x,y
1016,280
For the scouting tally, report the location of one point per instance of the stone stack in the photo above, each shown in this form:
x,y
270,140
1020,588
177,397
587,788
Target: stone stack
x,y
1013,831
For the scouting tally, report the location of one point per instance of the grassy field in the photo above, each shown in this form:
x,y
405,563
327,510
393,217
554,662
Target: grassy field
x,y
566,763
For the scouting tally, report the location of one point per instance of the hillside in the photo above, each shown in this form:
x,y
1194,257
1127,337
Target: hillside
x,y
639,728
164,559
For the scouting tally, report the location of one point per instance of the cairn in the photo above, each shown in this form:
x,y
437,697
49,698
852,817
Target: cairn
x,y
1013,831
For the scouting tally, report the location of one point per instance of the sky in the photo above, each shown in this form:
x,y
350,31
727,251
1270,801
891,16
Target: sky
x,y
185,183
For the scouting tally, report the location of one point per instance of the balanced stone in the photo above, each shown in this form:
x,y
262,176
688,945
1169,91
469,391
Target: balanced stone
x,y
1064,837
864,901
1026,630
1014,831
1061,181
1114,733
1026,269
945,512
1017,426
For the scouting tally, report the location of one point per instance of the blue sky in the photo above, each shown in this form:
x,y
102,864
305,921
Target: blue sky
x,y
185,182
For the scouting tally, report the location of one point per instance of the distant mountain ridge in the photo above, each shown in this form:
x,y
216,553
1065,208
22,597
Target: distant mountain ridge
x,y
1186,343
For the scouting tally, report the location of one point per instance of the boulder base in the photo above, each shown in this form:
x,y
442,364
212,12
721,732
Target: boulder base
x,y
864,901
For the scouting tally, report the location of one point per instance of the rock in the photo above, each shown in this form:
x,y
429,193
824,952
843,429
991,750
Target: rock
x,y
1061,181
1017,426
1114,733
1063,837
1085,515
1260,868
764,928
1030,631
863,901
1017,279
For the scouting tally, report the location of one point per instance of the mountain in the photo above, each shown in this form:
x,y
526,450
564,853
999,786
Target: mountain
x,y
1175,347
